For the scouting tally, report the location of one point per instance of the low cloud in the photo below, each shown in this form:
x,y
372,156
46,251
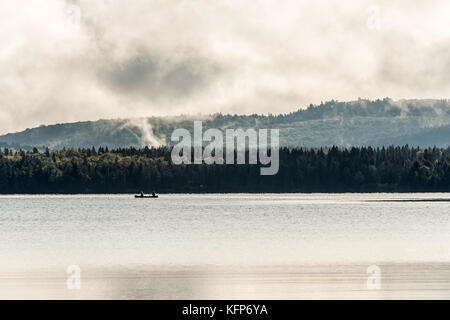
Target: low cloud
x,y
146,137
150,58
158,78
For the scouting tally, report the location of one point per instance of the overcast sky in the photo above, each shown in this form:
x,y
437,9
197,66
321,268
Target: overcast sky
x,y
64,61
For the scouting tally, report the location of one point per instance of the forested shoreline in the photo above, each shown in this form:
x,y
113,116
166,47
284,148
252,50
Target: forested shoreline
x,y
129,170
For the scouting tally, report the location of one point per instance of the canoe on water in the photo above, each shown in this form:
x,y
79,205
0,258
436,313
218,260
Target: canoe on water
x,y
146,197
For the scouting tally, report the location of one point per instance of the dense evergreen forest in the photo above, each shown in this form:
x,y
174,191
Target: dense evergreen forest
x,y
301,170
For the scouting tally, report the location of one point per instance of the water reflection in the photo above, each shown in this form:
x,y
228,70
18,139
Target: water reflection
x,y
398,281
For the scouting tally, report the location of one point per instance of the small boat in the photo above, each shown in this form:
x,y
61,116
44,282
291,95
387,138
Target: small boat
x,y
146,197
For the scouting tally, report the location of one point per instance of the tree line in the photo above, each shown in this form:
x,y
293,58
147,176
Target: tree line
x,y
130,170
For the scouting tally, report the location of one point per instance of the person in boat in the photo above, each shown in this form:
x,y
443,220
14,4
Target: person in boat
x,y
153,194
142,194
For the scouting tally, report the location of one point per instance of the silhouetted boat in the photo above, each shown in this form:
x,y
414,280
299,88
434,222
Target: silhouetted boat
x,y
146,197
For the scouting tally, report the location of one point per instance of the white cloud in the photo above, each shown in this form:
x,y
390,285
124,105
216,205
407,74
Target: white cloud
x,y
144,58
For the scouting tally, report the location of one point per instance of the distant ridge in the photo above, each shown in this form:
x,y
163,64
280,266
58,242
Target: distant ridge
x,y
356,123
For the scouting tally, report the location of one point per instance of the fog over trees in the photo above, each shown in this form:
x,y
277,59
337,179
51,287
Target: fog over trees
x,y
382,122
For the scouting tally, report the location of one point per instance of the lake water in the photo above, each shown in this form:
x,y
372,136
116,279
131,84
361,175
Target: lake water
x,y
226,246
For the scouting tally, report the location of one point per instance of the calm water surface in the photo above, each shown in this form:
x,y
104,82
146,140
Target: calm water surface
x,y
226,245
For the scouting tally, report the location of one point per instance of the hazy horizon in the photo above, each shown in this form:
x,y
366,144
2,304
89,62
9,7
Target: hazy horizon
x,y
68,61
197,116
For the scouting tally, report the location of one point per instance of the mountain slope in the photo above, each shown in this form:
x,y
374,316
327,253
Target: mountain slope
x,y
362,122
